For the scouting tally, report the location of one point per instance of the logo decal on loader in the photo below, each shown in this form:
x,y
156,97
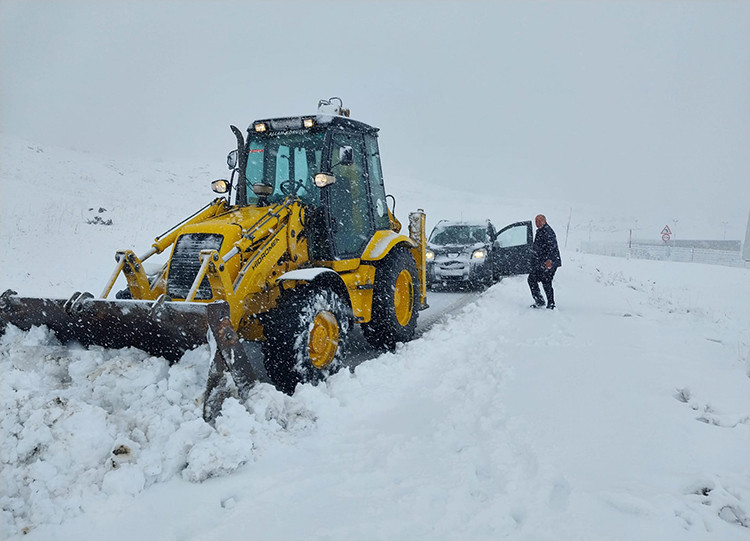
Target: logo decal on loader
x,y
264,253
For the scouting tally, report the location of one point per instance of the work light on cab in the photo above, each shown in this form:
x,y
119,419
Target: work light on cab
x,y
220,186
262,189
324,179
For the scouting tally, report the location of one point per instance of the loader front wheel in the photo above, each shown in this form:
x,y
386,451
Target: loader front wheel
x,y
394,302
305,337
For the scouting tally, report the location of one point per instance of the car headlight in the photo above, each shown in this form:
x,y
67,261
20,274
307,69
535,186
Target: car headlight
x,y
479,254
429,255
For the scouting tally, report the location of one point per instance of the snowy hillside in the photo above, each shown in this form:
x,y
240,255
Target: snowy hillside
x,y
624,414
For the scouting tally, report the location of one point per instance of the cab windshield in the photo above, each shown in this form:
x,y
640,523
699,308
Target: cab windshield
x,y
458,234
288,162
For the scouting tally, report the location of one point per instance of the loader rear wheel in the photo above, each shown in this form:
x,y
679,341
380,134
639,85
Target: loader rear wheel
x,y
306,337
394,302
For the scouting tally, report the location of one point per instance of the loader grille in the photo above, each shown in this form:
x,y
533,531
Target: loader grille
x,y
185,264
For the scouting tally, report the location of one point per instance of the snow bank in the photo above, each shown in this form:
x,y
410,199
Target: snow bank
x,y
80,424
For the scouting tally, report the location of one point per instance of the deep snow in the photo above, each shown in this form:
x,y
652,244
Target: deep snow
x,y
622,415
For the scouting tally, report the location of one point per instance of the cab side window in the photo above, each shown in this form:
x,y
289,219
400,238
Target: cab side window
x,y
377,189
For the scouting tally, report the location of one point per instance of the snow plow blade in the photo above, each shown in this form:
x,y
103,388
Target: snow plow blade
x,y
161,328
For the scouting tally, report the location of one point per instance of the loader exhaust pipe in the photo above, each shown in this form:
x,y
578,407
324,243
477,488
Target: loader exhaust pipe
x,y
241,199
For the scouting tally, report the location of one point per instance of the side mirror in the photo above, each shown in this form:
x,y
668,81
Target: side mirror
x,y
232,159
346,156
324,179
220,186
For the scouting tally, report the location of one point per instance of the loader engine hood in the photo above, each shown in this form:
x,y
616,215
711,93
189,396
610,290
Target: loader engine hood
x,y
219,233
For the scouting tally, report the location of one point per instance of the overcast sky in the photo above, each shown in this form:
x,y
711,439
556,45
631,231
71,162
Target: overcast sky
x,y
591,102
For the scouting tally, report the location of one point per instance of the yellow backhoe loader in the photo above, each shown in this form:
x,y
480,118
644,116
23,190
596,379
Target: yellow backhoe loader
x,y
308,248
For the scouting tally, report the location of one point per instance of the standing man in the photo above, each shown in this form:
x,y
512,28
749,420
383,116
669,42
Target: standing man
x,y
545,259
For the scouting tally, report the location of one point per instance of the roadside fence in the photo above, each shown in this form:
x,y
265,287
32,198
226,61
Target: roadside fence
x,y
665,252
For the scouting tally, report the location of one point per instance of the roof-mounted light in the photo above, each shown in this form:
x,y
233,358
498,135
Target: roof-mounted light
x,y
260,127
308,122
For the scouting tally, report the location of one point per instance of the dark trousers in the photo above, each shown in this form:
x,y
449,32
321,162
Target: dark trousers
x,y
544,276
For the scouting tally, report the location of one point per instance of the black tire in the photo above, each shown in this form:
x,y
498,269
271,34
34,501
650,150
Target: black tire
x,y
299,332
484,282
394,314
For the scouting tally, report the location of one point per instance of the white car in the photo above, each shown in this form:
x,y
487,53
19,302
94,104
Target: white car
x,y
475,254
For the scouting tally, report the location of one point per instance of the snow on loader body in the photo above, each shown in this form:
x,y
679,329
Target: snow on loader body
x,y
307,248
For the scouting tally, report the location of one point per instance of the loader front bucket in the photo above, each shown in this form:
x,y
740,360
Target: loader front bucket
x,y
164,329
161,328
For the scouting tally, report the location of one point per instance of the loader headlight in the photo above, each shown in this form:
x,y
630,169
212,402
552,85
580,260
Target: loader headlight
x,y
308,122
429,255
479,254
220,186
260,127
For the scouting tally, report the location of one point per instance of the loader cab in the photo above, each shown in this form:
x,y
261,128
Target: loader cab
x,y
348,205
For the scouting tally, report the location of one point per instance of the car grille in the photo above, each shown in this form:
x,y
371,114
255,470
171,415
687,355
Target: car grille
x,y
457,251
185,264
452,265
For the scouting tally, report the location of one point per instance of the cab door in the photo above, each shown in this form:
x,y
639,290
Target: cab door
x,y
512,249
348,200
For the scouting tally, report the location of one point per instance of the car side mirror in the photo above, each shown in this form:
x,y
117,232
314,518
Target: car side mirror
x,y
232,159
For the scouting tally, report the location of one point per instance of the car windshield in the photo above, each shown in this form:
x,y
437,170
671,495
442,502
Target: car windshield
x,y
275,158
458,234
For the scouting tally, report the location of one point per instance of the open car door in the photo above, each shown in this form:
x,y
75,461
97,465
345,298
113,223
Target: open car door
x,y
512,249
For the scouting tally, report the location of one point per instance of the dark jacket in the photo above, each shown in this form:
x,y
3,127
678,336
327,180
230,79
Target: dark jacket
x,y
545,247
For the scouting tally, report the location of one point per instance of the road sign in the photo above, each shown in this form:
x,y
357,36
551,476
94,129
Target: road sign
x,y
666,233
666,230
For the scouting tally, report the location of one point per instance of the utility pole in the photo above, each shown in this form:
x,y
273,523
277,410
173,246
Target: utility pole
x,y
725,229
